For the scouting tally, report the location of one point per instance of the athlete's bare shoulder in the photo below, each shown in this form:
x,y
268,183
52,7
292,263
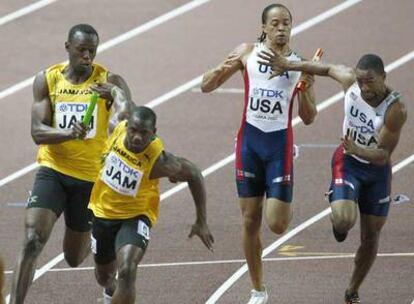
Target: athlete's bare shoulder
x,y
243,50
396,115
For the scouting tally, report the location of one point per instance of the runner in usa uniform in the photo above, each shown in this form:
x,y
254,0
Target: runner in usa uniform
x,y
264,143
361,169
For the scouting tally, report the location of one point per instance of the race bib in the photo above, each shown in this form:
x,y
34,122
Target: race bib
x,y
67,113
120,177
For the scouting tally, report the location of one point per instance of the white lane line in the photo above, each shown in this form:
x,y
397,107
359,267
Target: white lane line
x,y
25,10
17,174
239,261
119,39
242,270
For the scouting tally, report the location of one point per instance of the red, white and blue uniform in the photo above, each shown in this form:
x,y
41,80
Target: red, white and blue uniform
x,y
264,149
356,179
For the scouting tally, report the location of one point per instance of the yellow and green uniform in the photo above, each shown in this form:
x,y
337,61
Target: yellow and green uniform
x,y
76,158
123,188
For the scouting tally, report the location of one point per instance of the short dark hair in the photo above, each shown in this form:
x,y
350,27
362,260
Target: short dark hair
x,y
371,62
144,113
265,13
83,28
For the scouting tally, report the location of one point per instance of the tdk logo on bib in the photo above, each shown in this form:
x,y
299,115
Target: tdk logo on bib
x,y
67,113
120,177
268,93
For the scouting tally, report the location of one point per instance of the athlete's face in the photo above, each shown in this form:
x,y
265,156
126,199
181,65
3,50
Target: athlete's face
x,y
371,84
278,26
82,51
139,134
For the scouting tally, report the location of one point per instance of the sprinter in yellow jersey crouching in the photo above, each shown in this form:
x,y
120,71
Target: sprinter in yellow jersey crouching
x,y
69,153
125,201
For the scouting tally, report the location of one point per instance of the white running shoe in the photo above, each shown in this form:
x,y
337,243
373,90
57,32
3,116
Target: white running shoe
x,y
107,299
258,297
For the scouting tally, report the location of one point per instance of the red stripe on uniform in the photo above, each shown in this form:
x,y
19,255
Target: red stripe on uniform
x,y
289,140
338,164
239,164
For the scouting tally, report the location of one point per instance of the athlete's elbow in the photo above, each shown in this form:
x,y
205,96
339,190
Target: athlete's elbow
x,y
308,119
35,137
206,87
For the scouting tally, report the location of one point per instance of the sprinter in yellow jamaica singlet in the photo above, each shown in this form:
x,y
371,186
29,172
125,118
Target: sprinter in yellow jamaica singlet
x,y
69,152
125,201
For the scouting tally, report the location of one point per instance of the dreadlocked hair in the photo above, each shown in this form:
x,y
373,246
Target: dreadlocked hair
x,y
264,17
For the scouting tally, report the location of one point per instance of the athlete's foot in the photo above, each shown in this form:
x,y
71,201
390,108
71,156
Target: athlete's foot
x,y
258,297
107,299
352,298
339,237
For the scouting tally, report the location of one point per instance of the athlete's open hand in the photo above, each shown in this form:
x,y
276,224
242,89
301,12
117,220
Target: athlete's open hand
x,y
350,146
233,60
277,63
203,232
104,89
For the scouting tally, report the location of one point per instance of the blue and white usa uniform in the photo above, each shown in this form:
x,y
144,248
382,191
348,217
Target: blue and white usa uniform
x,y
264,148
356,179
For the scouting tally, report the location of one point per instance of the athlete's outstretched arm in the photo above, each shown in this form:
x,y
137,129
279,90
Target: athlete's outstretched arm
x,y
233,63
341,73
389,136
41,129
307,104
179,169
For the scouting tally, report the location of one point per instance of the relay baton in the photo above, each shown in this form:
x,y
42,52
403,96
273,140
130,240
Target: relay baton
x,y
87,118
318,54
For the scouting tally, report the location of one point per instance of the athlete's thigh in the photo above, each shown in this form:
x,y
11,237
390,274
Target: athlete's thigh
x,y
135,232
48,192
277,211
250,174
77,215
279,180
375,197
104,234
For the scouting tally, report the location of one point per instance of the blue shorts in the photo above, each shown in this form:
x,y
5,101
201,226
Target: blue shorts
x,y
368,185
264,163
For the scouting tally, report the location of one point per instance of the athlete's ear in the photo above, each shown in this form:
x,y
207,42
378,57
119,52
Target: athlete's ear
x,y
67,46
384,76
155,130
263,28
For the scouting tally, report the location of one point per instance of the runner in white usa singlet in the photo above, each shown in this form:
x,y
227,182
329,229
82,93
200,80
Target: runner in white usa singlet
x,y
264,142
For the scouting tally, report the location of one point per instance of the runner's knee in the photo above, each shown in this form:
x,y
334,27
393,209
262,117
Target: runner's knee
x,y
251,224
279,226
34,242
73,260
127,272
344,224
104,277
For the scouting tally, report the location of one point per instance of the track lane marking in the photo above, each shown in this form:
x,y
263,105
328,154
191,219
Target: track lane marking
x,y
25,11
118,40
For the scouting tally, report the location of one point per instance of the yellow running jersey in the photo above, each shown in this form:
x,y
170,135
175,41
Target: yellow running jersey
x,y
123,189
76,158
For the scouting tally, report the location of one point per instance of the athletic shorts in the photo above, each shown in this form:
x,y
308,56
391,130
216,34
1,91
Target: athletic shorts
x,y
264,164
108,236
62,193
366,184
